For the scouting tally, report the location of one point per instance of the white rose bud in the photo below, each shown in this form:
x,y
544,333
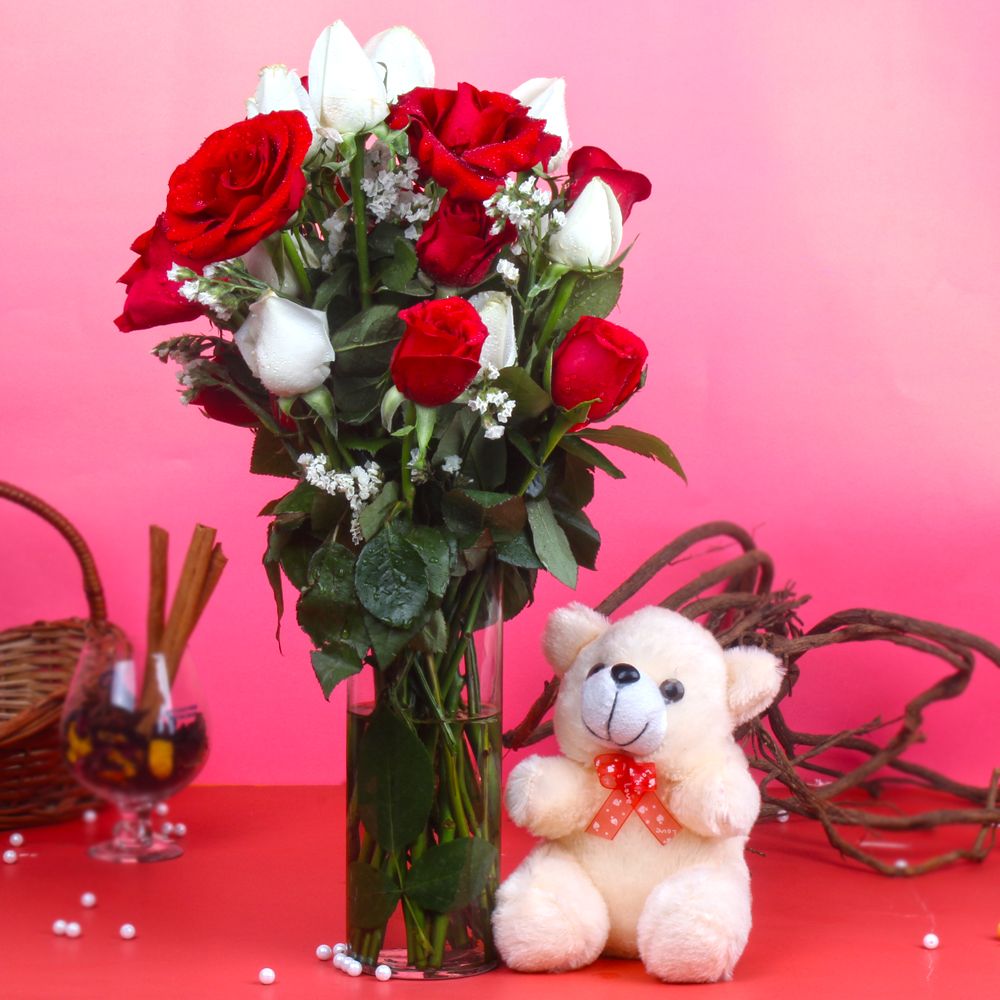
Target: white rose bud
x,y
497,313
592,232
404,60
347,93
286,346
280,89
545,98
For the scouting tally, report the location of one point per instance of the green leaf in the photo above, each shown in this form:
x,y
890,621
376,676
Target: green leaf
x,y
358,397
334,663
636,441
391,579
588,453
550,542
331,569
452,875
300,500
584,539
339,283
467,512
518,552
373,516
371,896
577,482
382,240
395,782
397,271
518,590
386,642
532,400
364,344
435,551
269,457
592,295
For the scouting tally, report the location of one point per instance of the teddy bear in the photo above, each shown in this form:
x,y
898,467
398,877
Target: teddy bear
x,y
645,813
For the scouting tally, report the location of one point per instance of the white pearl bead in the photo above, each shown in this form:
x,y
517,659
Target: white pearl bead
x,y
10,857
73,929
340,948
782,816
266,976
931,941
383,973
126,932
355,968
180,829
59,927
161,809
900,863
324,952
341,961
90,815
16,839
88,900
167,829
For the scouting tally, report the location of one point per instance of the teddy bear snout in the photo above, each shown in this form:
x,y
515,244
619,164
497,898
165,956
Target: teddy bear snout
x,y
624,709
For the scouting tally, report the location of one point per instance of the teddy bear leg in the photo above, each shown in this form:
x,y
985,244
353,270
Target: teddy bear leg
x,y
549,916
695,924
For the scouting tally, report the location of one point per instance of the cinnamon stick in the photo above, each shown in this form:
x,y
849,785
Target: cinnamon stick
x,y
159,542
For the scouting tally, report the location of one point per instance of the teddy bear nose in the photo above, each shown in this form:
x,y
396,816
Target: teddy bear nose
x,y
624,673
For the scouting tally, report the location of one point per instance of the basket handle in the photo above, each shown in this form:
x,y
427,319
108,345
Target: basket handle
x,y
91,581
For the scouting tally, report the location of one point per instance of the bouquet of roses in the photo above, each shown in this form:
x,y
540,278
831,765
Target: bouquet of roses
x,y
408,288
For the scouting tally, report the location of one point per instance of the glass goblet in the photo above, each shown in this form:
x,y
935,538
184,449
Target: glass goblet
x,y
134,733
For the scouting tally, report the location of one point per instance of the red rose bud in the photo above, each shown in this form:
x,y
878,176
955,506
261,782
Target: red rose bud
x,y
220,404
456,247
600,361
468,140
151,298
244,183
438,355
589,162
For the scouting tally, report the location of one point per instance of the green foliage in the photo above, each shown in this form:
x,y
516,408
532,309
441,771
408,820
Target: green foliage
x,y
550,542
395,781
364,344
451,875
371,896
335,663
391,578
637,441
592,295
270,457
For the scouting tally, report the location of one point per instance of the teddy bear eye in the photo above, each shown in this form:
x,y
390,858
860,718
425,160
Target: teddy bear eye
x,y
672,690
595,669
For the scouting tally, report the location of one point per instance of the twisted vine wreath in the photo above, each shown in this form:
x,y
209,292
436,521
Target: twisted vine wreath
x,y
734,600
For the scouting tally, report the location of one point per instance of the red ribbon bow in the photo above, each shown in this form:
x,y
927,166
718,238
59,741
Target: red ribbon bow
x,y
633,790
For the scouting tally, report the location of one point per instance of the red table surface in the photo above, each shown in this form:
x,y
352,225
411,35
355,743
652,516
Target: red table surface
x,y
262,883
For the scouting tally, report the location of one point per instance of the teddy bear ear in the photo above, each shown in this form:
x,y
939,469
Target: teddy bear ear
x,y
567,631
755,677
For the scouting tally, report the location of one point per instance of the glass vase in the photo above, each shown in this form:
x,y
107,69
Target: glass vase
x,y
134,733
423,784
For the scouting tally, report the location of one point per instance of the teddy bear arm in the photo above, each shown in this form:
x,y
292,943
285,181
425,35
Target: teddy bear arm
x,y
552,797
719,799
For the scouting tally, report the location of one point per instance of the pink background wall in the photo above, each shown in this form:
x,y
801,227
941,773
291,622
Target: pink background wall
x,y
817,277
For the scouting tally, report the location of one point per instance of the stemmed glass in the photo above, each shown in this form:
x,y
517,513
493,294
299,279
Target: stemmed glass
x,y
134,732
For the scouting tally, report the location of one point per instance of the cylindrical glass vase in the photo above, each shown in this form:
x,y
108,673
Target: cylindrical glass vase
x,y
423,784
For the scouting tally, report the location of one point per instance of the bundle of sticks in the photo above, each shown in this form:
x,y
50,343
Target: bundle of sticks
x,y
167,635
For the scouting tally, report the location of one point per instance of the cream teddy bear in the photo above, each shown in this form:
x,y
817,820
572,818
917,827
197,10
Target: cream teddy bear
x,y
646,812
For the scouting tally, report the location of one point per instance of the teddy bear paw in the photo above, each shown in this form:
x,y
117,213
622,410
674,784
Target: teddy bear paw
x,y
694,926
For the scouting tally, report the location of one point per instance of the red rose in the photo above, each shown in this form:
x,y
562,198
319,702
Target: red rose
x,y
456,247
589,162
244,183
151,299
468,140
438,355
597,360
222,405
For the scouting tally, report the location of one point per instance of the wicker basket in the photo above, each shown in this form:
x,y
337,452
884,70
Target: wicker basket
x,y
36,665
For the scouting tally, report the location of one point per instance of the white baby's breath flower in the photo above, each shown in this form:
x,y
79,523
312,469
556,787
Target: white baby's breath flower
x,y
452,464
509,271
359,486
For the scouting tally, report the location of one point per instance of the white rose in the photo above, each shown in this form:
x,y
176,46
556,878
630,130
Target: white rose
x,y
402,57
496,310
285,345
347,93
591,234
545,98
280,89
